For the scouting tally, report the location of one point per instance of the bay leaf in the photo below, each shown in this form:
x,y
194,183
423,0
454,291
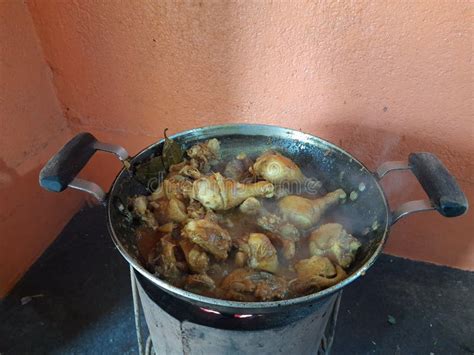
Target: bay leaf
x,y
149,170
172,152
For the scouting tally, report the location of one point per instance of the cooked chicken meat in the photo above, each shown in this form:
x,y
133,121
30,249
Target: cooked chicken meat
x,y
286,246
177,186
305,213
140,207
209,150
281,232
277,169
262,253
209,236
269,221
218,193
319,266
205,155
251,206
316,273
236,230
165,210
332,241
238,168
196,210
160,210
282,191
211,216
274,224
284,233
167,228
166,263
241,258
185,168
249,285
199,283
177,210
196,257
190,170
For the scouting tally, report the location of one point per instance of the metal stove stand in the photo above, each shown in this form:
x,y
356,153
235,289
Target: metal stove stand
x,y
146,347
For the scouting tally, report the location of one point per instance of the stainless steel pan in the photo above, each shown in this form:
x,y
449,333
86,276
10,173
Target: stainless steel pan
x,y
368,216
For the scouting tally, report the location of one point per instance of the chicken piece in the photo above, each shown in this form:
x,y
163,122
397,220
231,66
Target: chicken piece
x,y
167,228
332,241
256,251
140,208
177,210
205,155
305,213
160,210
262,253
238,168
140,205
221,219
318,265
209,150
243,250
190,171
199,283
196,257
196,210
281,232
185,168
165,263
287,246
165,210
251,206
282,191
315,274
211,216
269,221
241,258
217,271
249,285
209,236
273,223
176,186
218,193
277,169
174,169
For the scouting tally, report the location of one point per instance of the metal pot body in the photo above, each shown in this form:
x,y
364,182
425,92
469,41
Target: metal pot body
x,y
366,214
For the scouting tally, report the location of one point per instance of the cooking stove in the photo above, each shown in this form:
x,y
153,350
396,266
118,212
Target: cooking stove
x,y
178,327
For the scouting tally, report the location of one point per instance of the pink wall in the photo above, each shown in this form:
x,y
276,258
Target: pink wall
x,y
381,79
33,127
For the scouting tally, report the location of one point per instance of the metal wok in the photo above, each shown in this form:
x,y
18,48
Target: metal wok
x,y
368,217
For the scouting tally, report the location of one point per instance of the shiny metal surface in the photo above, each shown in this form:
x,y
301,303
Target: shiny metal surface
x,y
390,166
89,187
406,208
179,334
118,150
410,207
368,215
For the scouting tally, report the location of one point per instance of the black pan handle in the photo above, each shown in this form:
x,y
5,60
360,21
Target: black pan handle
x,y
439,184
444,193
62,169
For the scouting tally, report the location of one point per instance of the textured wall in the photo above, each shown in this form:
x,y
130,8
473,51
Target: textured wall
x,y
32,127
379,78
